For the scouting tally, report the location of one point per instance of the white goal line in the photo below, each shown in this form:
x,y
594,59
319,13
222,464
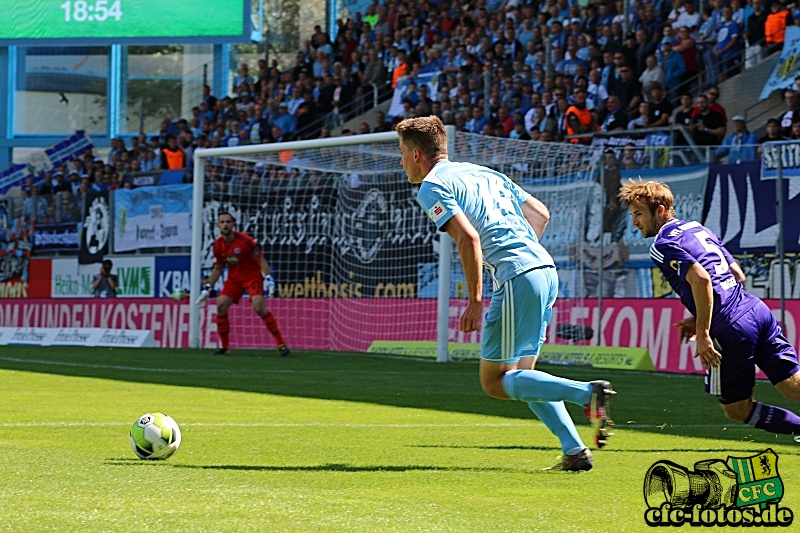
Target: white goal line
x,y
522,424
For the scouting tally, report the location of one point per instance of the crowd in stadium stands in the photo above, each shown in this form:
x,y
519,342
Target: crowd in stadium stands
x,y
665,70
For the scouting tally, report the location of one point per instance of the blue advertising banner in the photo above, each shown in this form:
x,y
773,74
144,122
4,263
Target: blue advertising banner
x,y
741,210
151,217
788,66
784,154
56,237
70,148
172,273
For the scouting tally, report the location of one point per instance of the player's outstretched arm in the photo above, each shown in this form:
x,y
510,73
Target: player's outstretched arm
x,y
214,276
469,248
265,269
738,273
703,294
537,215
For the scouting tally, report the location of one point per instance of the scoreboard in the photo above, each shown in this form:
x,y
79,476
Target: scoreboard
x,y
65,22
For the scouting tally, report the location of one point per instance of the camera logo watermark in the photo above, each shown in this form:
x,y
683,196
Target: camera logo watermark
x,y
742,491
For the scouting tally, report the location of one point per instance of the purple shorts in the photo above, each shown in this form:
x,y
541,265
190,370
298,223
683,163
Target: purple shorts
x,y
754,339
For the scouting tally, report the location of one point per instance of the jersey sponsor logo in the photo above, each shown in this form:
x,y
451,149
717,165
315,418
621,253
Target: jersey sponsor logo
x,y
232,259
437,211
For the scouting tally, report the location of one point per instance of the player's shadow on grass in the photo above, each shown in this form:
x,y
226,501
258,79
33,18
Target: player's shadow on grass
x,y
328,467
661,404
604,450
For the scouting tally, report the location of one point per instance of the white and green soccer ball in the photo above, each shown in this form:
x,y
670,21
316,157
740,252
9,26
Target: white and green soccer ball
x,y
155,436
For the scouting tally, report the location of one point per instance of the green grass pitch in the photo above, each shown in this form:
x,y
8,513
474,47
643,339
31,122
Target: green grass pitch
x,y
333,442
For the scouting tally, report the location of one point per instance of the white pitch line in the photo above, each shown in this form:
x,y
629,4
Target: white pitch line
x,y
350,425
207,370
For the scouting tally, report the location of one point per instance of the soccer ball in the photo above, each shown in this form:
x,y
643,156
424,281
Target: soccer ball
x,y
155,436
178,295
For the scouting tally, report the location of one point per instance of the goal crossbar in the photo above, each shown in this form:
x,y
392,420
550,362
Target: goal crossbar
x,y
201,154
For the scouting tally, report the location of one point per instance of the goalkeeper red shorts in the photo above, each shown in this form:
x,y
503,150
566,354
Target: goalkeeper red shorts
x,y
234,289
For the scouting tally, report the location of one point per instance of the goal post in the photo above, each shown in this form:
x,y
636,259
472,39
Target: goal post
x,y
202,154
355,258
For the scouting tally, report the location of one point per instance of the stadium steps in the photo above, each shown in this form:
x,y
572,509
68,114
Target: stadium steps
x,y
367,116
742,91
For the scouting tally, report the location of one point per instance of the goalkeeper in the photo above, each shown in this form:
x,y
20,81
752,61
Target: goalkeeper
x,y
247,271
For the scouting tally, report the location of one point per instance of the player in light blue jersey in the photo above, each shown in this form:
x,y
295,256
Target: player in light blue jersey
x,y
496,224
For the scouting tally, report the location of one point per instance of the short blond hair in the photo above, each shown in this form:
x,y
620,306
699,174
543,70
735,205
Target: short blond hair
x,y
650,194
425,133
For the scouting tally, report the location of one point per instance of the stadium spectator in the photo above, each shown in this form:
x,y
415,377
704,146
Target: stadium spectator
x,y
105,283
614,118
559,115
683,117
792,99
172,157
708,126
34,207
687,48
727,48
381,125
286,122
653,73
579,119
629,90
773,132
775,26
740,145
643,118
478,121
659,107
541,121
673,65
755,33
707,36
689,18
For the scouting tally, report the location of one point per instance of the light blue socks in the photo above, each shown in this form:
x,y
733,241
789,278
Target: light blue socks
x,y
535,386
554,415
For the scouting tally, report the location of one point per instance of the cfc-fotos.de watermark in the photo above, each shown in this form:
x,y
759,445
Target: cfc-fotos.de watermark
x,y
740,491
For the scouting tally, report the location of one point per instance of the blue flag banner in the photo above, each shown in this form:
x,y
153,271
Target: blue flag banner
x,y
13,176
357,6
70,148
150,217
783,154
431,79
788,66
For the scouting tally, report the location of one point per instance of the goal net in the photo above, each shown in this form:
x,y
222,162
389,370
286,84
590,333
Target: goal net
x,y
355,259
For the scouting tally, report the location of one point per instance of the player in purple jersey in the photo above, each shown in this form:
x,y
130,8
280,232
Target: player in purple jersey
x,y
734,330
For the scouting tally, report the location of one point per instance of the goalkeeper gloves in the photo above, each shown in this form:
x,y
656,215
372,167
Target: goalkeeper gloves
x,y
204,294
269,286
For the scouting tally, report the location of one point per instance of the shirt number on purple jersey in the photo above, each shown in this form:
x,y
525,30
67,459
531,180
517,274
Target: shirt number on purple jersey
x,y
712,248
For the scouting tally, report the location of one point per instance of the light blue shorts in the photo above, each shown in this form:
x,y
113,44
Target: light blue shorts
x,y
516,324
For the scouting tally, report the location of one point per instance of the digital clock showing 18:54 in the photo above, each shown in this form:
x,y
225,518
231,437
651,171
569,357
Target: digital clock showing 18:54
x,y
100,11
123,21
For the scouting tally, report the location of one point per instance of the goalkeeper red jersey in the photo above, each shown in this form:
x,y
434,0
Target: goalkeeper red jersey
x,y
241,256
